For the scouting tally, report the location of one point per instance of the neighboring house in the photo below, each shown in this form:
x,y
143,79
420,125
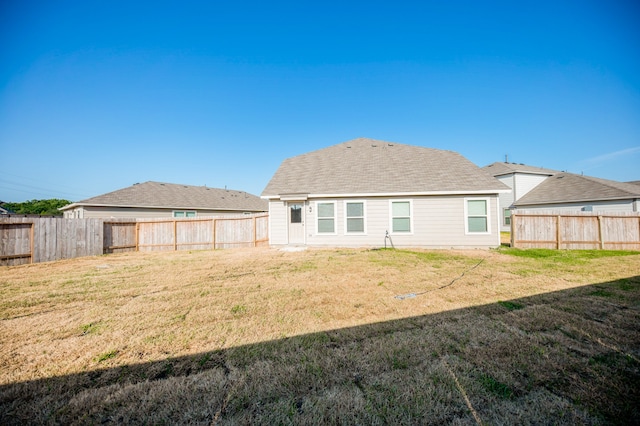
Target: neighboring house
x,y
571,192
521,179
3,210
155,199
357,193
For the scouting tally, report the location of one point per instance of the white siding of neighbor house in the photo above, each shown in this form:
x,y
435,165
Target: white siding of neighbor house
x,y
136,213
524,182
506,198
437,222
520,184
597,206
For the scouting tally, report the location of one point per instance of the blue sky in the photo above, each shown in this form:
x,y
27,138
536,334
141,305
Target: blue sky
x,y
98,95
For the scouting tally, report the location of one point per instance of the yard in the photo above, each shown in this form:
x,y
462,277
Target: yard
x,y
262,336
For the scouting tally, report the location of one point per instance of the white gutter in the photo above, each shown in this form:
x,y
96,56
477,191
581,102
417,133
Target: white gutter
x,y
396,194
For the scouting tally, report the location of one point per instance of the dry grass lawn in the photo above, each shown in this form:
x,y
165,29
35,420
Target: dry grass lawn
x,y
262,336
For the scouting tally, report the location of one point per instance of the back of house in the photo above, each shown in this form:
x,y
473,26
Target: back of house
x,y
368,193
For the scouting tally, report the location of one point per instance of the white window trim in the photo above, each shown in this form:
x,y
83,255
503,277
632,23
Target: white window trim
x,y
364,216
466,215
335,218
173,214
411,214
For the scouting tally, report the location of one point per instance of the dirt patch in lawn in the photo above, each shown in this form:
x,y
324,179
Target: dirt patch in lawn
x,y
339,336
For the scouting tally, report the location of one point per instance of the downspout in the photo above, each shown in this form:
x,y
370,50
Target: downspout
x,y
499,219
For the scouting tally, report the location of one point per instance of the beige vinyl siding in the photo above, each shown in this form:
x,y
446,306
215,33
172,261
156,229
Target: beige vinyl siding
x,y
141,213
438,222
278,223
598,206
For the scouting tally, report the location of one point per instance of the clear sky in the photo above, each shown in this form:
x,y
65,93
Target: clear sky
x,y
98,95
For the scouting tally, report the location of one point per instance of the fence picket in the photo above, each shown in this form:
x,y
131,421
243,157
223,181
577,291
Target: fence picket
x,y
31,240
579,230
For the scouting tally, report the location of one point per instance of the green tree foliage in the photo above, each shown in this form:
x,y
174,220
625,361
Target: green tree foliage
x,y
42,207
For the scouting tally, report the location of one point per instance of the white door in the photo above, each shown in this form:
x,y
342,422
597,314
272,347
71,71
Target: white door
x,y
296,223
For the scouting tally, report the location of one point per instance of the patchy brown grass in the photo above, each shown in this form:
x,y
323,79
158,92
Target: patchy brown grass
x,y
262,336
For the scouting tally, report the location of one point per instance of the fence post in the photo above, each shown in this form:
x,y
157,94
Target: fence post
x,y
214,234
513,228
600,233
32,243
255,233
558,233
137,236
175,235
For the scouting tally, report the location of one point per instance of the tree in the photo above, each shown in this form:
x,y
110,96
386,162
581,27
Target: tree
x,y
42,207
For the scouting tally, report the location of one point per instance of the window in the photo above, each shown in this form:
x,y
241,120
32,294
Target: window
x,y
184,214
506,217
477,212
401,216
296,213
326,218
354,217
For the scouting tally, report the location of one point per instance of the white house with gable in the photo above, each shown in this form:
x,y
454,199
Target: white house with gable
x,y
368,193
521,179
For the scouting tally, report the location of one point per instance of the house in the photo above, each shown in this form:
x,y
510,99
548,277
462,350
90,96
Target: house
x,y
572,192
521,179
156,199
4,210
370,193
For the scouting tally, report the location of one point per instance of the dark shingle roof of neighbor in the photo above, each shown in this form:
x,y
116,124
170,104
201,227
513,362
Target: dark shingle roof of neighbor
x,y
367,166
176,196
569,187
500,168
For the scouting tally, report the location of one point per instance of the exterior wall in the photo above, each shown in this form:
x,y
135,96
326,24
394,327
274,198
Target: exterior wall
x,y
278,223
523,183
520,184
506,199
437,222
597,206
140,213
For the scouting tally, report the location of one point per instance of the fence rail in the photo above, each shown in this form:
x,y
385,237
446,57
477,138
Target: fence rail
x,y
32,240
583,230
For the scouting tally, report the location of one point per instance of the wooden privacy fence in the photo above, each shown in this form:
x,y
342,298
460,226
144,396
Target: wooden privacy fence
x,y
579,230
32,240
186,234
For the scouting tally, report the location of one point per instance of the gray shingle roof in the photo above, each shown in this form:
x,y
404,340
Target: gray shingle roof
x,y
175,196
569,187
367,166
500,168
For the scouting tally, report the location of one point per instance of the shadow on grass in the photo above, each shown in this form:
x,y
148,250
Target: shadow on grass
x,y
569,357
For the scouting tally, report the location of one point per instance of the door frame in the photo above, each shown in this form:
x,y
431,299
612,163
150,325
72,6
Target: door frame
x,y
303,205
